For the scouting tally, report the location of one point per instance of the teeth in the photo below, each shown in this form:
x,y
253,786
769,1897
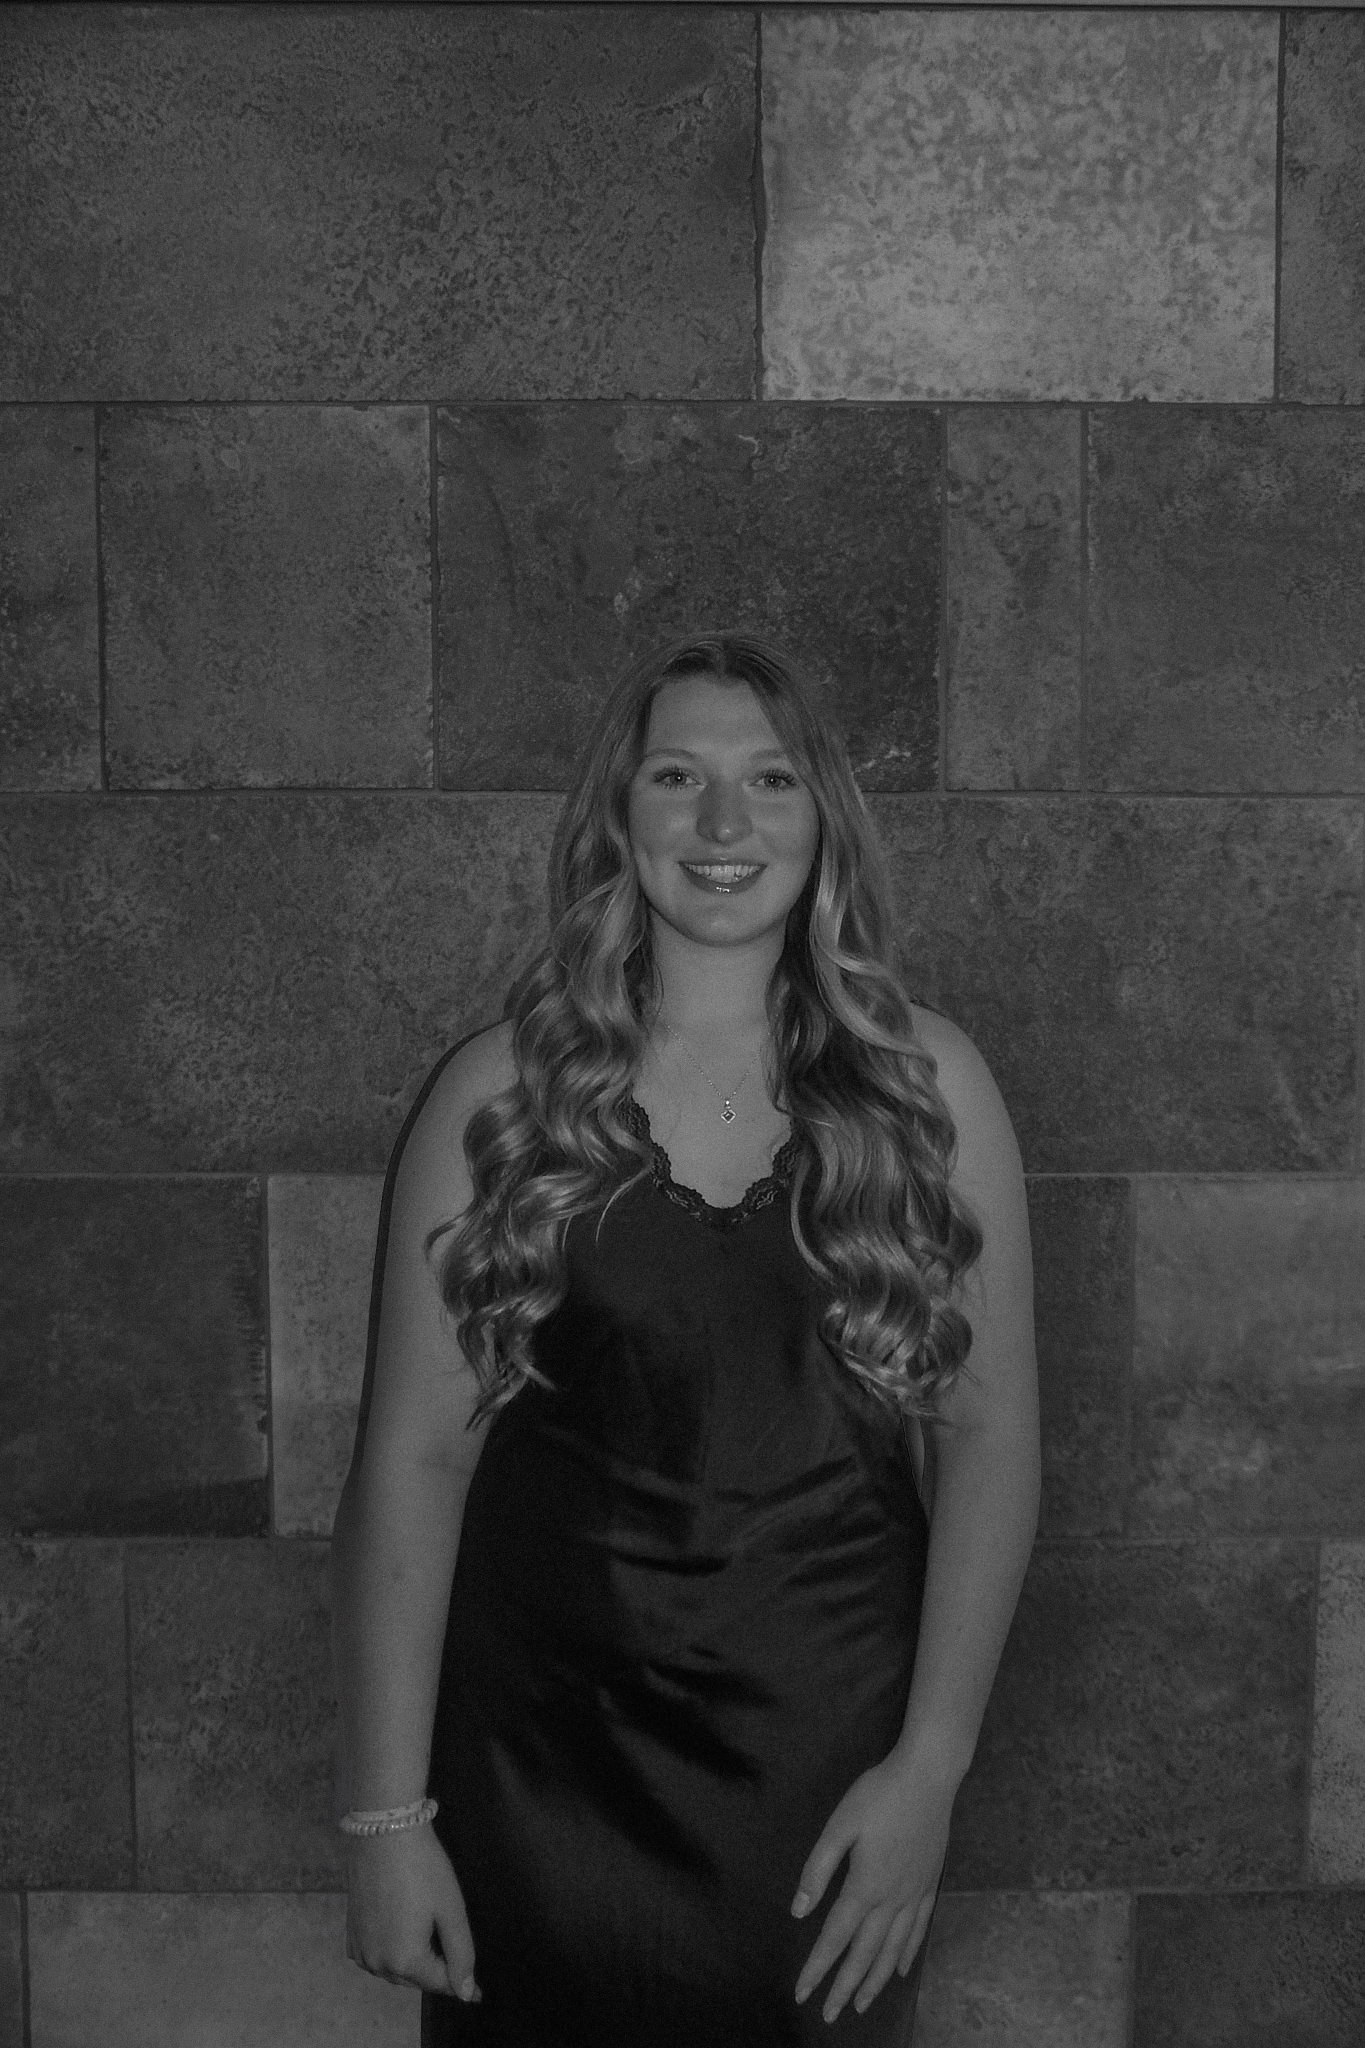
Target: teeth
x,y
720,874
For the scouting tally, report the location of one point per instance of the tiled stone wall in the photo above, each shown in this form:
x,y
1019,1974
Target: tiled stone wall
x,y
372,382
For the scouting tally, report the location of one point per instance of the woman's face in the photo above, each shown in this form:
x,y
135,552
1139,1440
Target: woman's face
x,y
715,786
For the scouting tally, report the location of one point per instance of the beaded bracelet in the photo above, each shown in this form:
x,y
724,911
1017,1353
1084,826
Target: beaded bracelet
x,y
389,1820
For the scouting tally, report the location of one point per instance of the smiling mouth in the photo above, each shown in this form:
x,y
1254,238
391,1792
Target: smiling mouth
x,y
723,871
722,878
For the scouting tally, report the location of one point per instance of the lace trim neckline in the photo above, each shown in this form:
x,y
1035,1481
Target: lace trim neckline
x,y
756,1196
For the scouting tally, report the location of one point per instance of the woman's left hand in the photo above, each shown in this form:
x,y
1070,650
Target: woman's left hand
x,y
895,1819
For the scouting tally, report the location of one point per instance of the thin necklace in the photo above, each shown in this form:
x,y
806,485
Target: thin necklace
x,y
727,1114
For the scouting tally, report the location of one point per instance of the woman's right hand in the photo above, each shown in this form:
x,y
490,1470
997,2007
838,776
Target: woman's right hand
x,y
401,1888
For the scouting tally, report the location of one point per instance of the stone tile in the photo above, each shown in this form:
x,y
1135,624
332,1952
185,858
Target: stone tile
x,y
1336,1824
233,1717
1157,984
268,596
66,1818
234,981
11,1972
1148,1722
1249,1358
1014,598
378,203
1227,600
49,616
1322,252
1026,1970
573,538
1082,1237
134,1400
1258,1971
323,1236
263,1972
966,204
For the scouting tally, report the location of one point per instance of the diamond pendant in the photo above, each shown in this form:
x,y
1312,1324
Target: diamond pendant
x,y
727,1115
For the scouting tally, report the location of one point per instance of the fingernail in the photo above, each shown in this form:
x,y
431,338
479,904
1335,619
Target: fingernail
x,y
831,2014
801,1904
468,1989
802,1993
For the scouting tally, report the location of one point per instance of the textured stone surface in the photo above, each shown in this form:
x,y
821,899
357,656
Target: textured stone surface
x,y
1156,984
66,1817
1227,600
263,1972
323,1231
1249,1358
378,202
1026,1970
11,1972
229,981
49,608
268,595
573,539
1336,1824
218,982
970,205
1260,1971
1148,1722
1322,248
134,1397
233,1717
1082,1238
1014,598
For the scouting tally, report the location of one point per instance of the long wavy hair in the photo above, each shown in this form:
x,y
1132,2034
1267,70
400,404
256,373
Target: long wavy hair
x,y
873,1213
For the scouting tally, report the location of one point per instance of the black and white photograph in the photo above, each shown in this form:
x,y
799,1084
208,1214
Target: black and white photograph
x,y
682,1059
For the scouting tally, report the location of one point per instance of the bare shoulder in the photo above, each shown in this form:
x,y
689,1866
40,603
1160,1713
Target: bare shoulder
x,y
432,1179
420,1390
478,1070
969,1088
997,1291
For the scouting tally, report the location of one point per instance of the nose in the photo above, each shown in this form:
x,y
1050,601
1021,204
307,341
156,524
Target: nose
x,y
722,814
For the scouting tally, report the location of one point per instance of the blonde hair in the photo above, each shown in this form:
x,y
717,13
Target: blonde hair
x,y
872,1210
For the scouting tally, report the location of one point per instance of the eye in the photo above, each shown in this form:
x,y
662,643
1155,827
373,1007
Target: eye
x,y
784,776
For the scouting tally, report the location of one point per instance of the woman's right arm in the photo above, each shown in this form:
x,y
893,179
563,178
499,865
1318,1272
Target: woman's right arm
x,y
394,1545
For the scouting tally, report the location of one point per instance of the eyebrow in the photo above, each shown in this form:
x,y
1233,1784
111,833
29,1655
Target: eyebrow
x,y
759,754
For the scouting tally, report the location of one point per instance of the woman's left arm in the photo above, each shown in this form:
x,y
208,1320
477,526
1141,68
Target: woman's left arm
x,y
985,1463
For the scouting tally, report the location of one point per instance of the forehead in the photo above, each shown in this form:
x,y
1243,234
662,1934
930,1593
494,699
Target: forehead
x,y
696,711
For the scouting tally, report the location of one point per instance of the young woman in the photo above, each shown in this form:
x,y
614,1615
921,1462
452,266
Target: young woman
x,y
698,1461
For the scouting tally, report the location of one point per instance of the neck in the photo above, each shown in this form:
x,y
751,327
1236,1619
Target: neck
x,y
705,993
735,1030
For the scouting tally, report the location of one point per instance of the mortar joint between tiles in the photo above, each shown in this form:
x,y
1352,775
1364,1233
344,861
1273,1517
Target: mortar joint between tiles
x,y
943,692
128,1695
1127,1359
1083,738
1311,1709
267,1342
759,201
435,599
101,682
1360,1017
1279,206
25,1994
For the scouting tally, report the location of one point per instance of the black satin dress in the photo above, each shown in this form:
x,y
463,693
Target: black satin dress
x,y
682,1622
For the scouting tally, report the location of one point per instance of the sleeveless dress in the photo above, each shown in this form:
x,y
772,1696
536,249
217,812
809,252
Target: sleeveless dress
x,y
682,1621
